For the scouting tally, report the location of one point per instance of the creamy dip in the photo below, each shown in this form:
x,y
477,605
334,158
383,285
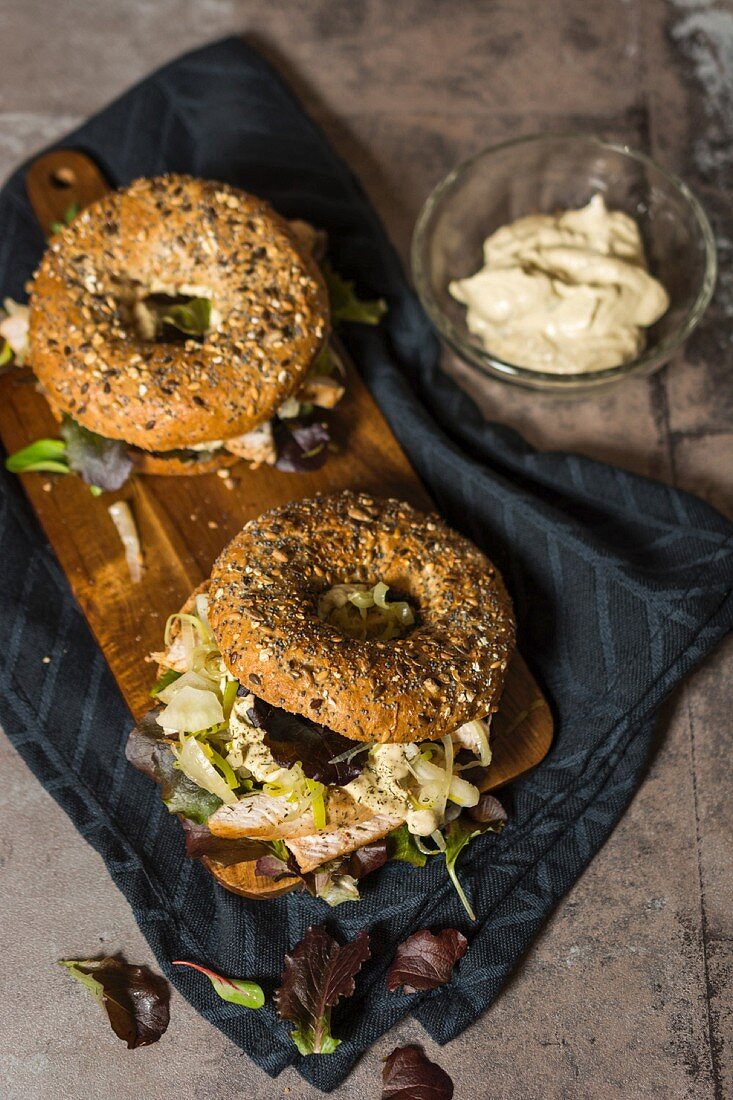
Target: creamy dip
x,y
564,293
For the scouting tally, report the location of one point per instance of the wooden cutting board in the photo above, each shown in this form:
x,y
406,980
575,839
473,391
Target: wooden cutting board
x,y
184,522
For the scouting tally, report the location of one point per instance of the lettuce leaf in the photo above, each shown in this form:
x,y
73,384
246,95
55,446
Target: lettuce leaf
x,y
192,318
69,214
302,444
401,846
101,463
135,999
105,463
409,1075
346,306
237,991
316,976
370,858
488,811
201,843
293,738
147,751
424,961
164,680
335,881
43,456
463,830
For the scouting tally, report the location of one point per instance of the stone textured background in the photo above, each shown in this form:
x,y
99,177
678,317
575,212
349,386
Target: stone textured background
x,y
627,994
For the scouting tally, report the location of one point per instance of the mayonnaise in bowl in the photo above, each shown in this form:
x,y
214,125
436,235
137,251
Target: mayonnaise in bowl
x,y
564,293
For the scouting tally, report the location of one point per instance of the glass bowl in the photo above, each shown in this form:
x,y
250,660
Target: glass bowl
x,y
546,174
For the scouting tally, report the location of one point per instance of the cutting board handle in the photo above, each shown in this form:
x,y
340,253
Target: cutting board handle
x,y
60,182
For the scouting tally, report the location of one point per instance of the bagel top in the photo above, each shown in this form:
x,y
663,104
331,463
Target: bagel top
x,y
448,670
181,237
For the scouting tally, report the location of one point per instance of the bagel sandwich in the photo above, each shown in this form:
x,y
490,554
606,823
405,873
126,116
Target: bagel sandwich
x,y
178,325
324,700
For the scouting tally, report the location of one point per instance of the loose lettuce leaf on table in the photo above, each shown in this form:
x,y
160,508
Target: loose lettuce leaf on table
x,y
316,976
237,991
425,961
135,999
409,1075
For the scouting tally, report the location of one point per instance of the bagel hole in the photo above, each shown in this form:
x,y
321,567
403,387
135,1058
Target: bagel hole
x,y
368,612
172,318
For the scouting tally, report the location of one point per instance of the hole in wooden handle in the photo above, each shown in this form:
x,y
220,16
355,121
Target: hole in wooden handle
x,y
62,178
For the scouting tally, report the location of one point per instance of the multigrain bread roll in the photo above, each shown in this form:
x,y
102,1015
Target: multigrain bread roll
x,y
263,608
324,701
170,238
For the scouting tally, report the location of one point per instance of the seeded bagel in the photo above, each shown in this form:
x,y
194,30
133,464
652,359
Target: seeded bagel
x,y
447,670
179,237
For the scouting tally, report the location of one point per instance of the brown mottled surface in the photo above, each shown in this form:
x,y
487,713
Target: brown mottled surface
x,y
627,993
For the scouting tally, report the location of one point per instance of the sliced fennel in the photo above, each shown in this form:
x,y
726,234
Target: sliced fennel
x,y
462,793
474,736
187,679
191,710
363,612
221,764
193,762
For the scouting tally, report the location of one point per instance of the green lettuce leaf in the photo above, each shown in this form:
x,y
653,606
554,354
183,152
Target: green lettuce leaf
x,y
458,834
193,318
69,214
236,991
164,680
401,845
183,796
147,751
45,455
346,306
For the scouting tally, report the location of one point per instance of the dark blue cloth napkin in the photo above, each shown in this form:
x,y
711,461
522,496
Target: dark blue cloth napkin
x,y
621,586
